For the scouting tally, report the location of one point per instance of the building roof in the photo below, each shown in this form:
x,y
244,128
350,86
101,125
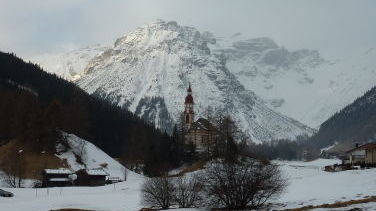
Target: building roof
x,y
94,172
59,179
97,172
203,124
58,171
368,146
341,148
189,99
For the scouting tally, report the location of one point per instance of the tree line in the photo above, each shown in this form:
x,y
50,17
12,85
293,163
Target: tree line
x,y
352,124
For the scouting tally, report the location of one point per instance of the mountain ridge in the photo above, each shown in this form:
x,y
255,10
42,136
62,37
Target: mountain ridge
x,y
157,61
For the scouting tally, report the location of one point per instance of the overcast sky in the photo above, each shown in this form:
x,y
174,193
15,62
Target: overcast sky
x,y
334,27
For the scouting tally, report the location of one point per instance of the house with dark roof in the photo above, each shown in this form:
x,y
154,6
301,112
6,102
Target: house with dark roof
x,y
202,133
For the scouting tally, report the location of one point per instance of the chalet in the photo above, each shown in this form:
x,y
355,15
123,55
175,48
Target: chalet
x,y
91,177
57,177
364,154
201,133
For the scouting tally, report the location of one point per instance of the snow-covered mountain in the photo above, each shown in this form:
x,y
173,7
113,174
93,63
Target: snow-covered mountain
x,y
148,71
300,84
69,64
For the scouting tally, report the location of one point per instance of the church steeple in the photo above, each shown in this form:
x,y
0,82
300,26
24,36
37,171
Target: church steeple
x,y
188,112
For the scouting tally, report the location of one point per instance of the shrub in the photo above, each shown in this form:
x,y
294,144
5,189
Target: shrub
x,y
187,191
247,184
158,192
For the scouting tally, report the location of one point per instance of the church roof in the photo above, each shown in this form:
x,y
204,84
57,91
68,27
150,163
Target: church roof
x,y
189,88
203,124
189,99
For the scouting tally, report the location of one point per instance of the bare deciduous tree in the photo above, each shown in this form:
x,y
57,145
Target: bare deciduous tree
x,y
247,184
158,192
187,191
14,170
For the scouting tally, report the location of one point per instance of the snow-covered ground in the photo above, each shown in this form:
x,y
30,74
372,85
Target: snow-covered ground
x,y
308,185
121,196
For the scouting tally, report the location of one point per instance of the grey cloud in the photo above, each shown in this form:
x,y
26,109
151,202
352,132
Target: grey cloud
x,y
333,27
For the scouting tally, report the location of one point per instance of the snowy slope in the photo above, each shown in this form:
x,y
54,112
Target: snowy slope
x,y
92,157
300,84
148,71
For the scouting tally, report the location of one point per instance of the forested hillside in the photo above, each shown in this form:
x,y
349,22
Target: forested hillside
x,y
35,106
354,123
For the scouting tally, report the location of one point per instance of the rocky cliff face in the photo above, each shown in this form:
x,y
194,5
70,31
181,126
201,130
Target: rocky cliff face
x,y
300,84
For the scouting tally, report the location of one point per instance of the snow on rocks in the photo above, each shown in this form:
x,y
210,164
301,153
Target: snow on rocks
x,y
300,83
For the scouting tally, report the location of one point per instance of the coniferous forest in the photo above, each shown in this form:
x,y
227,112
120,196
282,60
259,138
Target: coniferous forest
x,y
353,124
35,105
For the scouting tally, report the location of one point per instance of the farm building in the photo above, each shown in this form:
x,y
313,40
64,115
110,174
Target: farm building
x,y
364,154
57,177
91,177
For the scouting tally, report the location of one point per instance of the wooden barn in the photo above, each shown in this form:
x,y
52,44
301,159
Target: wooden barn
x,y
56,177
91,177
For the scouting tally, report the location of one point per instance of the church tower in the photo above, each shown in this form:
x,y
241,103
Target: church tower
x,y
188,112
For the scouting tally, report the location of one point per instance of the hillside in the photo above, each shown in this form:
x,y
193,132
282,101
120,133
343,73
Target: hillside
x,y
66,154
354,123
35,106
148,71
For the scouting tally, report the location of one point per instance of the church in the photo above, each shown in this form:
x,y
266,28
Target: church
x,y
202,132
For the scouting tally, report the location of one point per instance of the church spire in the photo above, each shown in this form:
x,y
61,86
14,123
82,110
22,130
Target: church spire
x,y
188,112
189,98
189,89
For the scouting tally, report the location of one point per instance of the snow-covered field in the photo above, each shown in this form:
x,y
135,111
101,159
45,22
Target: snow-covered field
x,y
121,196
308,185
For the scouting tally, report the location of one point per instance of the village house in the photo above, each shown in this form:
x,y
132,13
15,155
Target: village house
x,y
364,154
201,133
56,177
91,177
338,151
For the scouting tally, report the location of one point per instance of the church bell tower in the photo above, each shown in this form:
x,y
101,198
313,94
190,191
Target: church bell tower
x,y
188,112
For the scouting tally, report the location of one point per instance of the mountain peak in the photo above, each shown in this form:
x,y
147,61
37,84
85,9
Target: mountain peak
x,y
148,71
165,33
